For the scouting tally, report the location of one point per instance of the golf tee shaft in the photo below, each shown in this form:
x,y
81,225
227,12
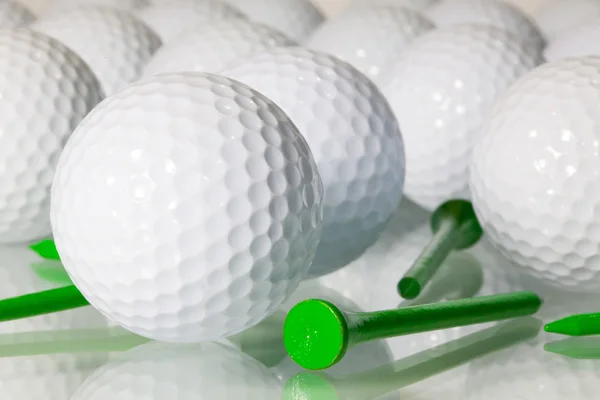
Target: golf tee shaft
x,y
424,318
429,261
46,302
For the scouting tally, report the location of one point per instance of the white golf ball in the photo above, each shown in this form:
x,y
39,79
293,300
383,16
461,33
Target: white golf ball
x,y
353,134
46,91
13,14
62,5
214,46
187,207
583,40
370,38
114,43
496,13
534,174
169,20
295,18
556,17
417,5
441,90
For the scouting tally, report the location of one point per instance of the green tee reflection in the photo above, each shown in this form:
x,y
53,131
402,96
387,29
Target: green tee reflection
x,y
388,378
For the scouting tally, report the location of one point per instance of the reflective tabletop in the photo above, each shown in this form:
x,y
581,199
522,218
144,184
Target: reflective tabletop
x,y
78,354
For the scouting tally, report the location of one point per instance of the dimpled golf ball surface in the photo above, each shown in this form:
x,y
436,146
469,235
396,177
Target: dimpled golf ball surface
x,y
544,131
168,20
442,87
497,13
353,134
114,43
13,14
187,207
62,5
212,47
412,4
296,18
370,38
583,40
46,91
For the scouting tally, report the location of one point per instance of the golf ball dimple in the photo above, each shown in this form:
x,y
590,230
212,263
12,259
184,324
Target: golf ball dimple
x,y
170,19
442,88
46,91
114,43
498,13
212,47
583,40
534,174
187,207
295,18
353,134
13,14
370,38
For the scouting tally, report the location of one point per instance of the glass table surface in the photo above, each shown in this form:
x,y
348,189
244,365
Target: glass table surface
x,y
78,354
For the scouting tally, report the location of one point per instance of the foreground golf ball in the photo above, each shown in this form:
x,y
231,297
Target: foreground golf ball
x,y
556,17
212,47
115,44
534,174
441,90
13,14
370,38
583,40
296,18
168,20
187,207
46,91
353,134
497,13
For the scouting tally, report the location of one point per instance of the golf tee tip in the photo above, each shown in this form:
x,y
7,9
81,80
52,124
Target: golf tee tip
x,y
409,288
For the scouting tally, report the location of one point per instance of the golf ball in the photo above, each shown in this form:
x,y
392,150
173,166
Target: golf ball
x,y
370,38
353,134
114,43
442,88
46,91
170,19
212,47
187,207
496,13
295,18
534,174
13,14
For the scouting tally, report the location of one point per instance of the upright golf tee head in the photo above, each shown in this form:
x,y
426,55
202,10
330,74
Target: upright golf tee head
x,y
455,227
317,334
